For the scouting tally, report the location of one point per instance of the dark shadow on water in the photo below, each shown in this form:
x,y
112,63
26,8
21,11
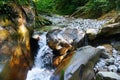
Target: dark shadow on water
x,y
104,40
34,47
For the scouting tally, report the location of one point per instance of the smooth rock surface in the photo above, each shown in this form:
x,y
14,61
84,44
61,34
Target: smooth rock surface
x,y
107,76
81,64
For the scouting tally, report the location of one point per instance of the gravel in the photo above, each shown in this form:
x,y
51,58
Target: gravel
x,y
73,22
111,64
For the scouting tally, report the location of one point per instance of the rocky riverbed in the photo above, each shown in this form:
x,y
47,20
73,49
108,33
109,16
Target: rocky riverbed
x,y
83,24
110,59
63,53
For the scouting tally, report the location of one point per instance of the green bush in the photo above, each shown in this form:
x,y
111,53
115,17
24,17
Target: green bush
x,y
45,5
87,8
68,6
95,8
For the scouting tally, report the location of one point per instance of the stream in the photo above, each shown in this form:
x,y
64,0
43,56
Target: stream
x,y
43,59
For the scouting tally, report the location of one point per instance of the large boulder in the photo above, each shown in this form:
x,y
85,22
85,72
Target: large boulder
x,y
62,41
15,36
79,65
66,39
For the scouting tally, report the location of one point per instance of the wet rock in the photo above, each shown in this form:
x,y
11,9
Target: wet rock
x,y
91,33
102,75
110,64
47,59
118,69
101,65
81,64
62,41
112,68
110,61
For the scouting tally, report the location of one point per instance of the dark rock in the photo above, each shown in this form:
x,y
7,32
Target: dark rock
x,y
118,69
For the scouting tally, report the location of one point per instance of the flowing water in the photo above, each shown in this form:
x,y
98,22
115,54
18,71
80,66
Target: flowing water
x,y
42,61
40,70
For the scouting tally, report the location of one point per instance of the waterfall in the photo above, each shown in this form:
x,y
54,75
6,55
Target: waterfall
x,y
43,60
41,69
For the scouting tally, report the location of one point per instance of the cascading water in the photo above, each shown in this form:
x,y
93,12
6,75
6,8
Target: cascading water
x,y
42,61
41,69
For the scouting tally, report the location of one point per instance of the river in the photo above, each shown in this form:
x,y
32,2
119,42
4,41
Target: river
x,y
39,70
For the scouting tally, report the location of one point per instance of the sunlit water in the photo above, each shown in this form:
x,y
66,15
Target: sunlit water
x,y
42,61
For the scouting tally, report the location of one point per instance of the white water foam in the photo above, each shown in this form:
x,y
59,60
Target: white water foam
x,y
39,72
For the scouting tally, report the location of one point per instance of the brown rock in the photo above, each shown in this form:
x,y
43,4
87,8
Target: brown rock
x,y
109,48
79,66
17,44
64,40
112,27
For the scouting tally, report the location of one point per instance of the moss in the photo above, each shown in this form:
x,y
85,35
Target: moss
x,y
62,75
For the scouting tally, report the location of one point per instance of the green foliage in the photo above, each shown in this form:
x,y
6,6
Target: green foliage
x,y
62,75
95,8
68,6
6,11
88,8
45,5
